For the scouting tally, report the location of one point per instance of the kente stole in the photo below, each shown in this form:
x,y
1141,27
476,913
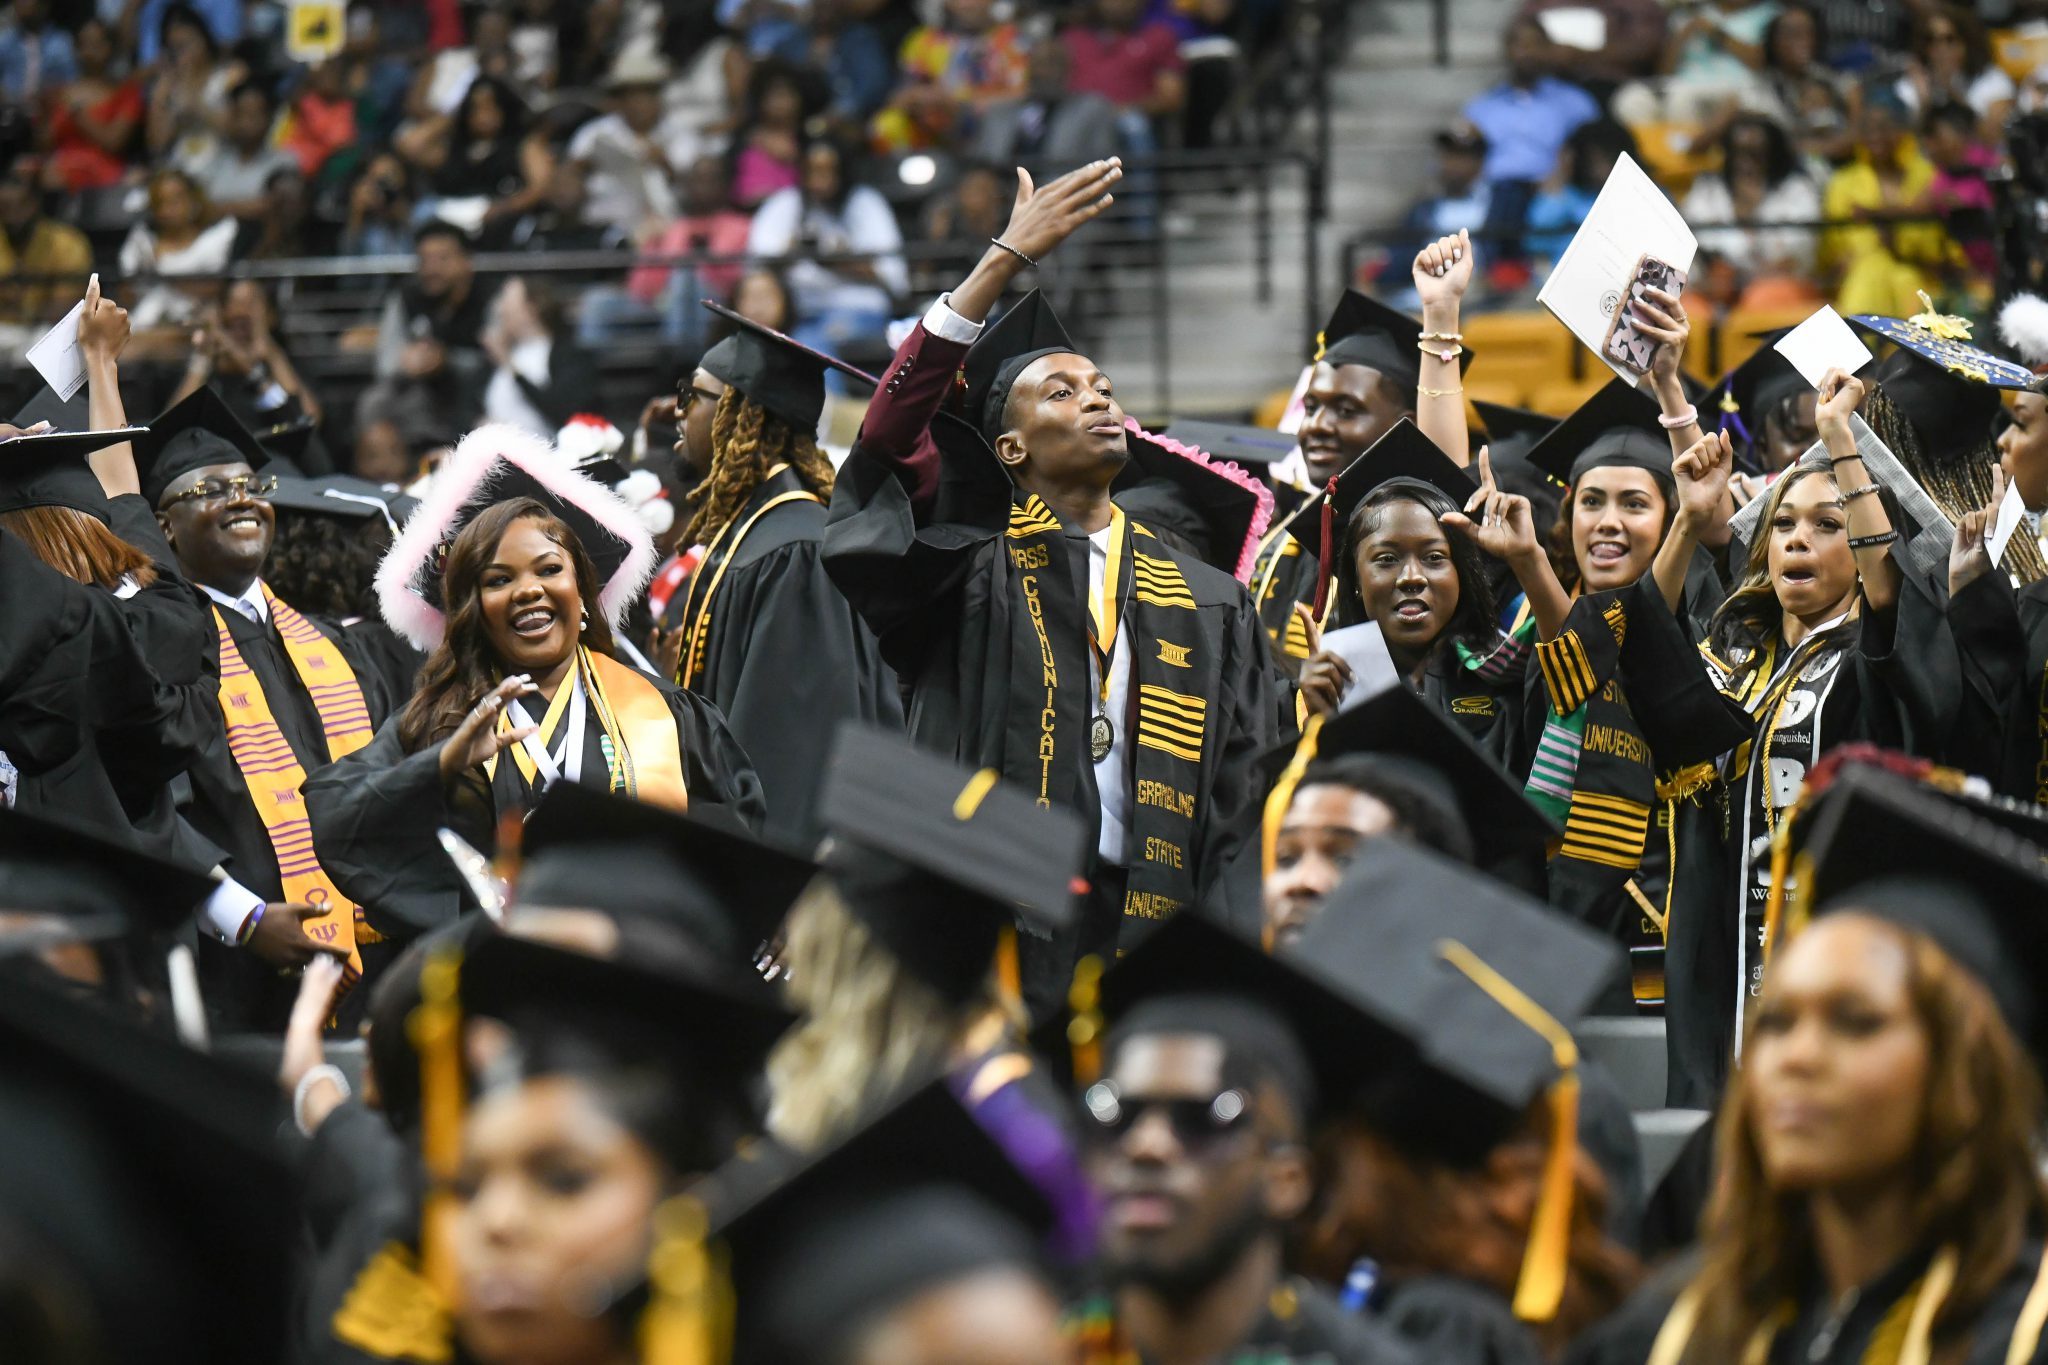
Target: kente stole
x,y
642,749
274,775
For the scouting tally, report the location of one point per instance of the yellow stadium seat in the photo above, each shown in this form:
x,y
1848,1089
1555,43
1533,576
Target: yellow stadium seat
x,y
1560,398
2017,54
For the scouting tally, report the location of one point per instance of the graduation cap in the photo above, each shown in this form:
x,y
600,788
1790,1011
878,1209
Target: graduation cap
x,y
778,372
500,463
1486,984
1404,453
1880,844
287,442
937,861
93,873
144,1177
1616,426
1030,331
344,498
72,414
1218,511
1363,331
1748,394
50,471
197,432
1229,441
1511,433
1397,732
587,848
918,1196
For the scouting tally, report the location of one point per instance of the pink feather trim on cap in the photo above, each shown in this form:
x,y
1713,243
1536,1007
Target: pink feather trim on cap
x,y
1248,553
461,488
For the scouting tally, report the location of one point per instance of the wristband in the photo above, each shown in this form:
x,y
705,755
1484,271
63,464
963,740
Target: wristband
x,y
1873,541
1428,392
1449,355
326,1071
1851,494
248,930
997,241
1678,421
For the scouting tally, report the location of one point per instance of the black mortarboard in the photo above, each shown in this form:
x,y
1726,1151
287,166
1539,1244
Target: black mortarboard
x,y
343,497
1880,844
1229,441
590,849
72,414
1945,387
145,1177
53,865
1029,331
50,471
918,1196
1397,730
778,372
287,442
1511,433
1403,453
196,432
1616,426
1171,484
1363,331
936,859
710,1012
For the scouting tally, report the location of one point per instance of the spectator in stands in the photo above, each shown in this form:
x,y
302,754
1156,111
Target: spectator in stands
x,y
952,74
630,153
1951,60
233,172
189,96
769,142
562,221
1761,180
287,228
1715,55
1131,61
1858,36
659,292
1881,265
857,63
380,205
236,351
37,56
1525,120
841,305
1562,202
322,117
152,33
539,379
442,82
33,243
1961,191
1463,199
430,358
90,127
1051,124
481,166
1800,91
379,81
975,209
762,296
1631,45
183,236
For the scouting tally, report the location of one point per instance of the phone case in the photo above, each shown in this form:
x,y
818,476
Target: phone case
x,y
1625,345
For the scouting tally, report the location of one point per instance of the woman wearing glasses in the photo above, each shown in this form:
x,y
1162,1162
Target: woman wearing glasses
x,y
760,631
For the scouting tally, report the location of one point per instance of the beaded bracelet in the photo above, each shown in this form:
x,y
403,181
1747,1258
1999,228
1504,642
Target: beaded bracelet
x,y
1679,421
1449,357
1428,392
1444,336
1850,494
997,241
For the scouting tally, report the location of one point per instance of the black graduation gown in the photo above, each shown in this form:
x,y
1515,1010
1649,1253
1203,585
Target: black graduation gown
x,y
377,813
1449,1321
243,991
1303,1324
395,660
782,655
2001,638
1283,575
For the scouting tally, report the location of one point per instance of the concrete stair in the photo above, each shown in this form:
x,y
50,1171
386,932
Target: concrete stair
x,y
1632,1052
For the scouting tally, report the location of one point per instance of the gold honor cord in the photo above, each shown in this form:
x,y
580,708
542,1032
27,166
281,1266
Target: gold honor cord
x,y
1105,612
693,634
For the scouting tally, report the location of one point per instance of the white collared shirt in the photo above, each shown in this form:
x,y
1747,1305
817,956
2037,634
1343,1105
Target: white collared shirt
x,y
250,604
1112,774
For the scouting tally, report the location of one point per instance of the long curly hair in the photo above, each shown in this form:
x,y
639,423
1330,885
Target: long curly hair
x,y
465,666
78,546
1750,620
327,567
869,1025
1973,1171
747,441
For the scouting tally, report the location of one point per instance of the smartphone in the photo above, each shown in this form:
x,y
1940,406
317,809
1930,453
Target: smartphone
x,y
1626,346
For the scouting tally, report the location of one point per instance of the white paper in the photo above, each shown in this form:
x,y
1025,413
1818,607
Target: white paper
x,y
2012,514
1821,343
1372,667
58,357
1631,219
1584,29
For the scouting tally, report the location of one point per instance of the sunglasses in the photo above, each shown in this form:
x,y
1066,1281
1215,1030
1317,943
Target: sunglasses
x,y
688,396
1198,1125
224,490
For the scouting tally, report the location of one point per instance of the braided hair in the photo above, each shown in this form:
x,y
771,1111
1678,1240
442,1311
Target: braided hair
x,y
747,441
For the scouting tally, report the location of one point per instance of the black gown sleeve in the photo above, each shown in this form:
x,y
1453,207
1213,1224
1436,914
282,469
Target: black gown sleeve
x,y
1451,1323
376,816
1230,872
715,767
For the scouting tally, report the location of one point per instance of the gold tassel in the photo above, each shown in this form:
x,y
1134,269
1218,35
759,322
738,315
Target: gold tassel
x,y
1009,976
1084,1029
435,1030
2026,1332
511,833
688,1319
1282,795
1540,1288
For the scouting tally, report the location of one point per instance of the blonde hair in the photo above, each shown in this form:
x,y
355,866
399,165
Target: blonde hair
x,y
869,1026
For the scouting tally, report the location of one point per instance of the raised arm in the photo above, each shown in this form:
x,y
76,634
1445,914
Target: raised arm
x,y
1504,525
1870,528
1701,475
1442,272
102,334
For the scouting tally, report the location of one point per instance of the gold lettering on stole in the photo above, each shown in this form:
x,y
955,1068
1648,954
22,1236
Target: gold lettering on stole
x,y
1047,715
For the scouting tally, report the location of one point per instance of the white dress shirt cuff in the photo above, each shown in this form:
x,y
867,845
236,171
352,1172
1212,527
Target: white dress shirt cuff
x,y
229,908
945,324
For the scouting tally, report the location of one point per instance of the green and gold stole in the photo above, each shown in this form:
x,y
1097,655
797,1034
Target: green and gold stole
x,y
642,749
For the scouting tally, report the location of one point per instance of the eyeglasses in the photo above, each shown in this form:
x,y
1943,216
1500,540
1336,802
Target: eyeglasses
x,y
227,490
687,397
1197,1125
